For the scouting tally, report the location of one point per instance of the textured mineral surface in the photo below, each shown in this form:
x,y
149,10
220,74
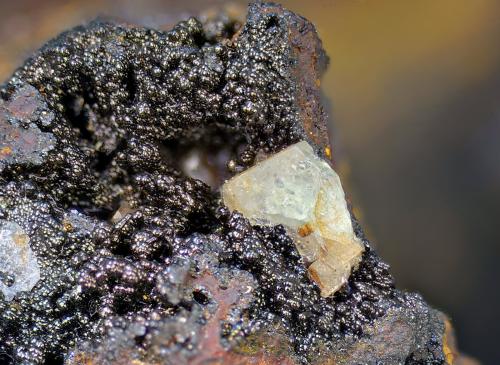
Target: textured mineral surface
x,y
21,141
105,132
301,191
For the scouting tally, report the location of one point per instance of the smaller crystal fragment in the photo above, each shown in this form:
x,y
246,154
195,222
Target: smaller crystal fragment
x,y
19,270
302,192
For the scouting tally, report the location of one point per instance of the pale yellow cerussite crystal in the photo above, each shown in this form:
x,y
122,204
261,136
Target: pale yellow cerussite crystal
x,y
302,192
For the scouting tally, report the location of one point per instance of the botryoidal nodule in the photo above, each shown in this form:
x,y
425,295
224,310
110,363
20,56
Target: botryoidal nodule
x,y
103,131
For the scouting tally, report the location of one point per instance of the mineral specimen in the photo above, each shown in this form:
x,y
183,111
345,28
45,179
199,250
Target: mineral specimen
x,y
19,270
301,191
139,262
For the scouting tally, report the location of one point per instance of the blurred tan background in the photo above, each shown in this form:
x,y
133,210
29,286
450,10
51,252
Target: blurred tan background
x,y
415,90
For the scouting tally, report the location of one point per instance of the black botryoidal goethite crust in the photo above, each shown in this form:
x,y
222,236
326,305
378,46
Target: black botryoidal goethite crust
x,y
133,252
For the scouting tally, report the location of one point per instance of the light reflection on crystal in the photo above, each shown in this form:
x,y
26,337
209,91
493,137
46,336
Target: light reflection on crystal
x,y
18,265
298,189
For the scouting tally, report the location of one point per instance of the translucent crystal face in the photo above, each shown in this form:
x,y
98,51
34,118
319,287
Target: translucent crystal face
x,y
299,190
19,268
